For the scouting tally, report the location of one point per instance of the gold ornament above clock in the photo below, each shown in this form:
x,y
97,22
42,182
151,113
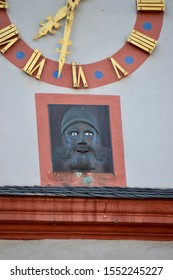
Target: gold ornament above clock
x,y
139,45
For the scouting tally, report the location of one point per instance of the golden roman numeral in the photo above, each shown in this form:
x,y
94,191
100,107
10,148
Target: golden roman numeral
x,y
118,68
9,36
3,5
142,41
151,5
78,76
31,66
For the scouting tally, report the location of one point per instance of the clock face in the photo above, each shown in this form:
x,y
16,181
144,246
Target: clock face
x,y
107,46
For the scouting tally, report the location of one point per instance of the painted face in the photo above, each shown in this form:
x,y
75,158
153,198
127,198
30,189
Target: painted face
x,y
81,139
81,134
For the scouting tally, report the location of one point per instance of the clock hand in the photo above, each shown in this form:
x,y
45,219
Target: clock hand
x,y
71,6
3,5
52,22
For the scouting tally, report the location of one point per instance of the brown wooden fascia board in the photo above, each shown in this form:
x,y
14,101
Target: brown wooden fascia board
x,y
33,217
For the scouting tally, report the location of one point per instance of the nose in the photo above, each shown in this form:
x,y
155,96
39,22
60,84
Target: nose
x,y
81,137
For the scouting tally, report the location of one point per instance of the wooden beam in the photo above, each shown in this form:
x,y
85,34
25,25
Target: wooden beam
x,y
35,217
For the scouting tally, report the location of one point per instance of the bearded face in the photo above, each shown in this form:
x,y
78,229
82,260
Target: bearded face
x,y
81,149
80,140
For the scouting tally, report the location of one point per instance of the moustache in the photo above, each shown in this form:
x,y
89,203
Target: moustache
x,y
65,153
82,148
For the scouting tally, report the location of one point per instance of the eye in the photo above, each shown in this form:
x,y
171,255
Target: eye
x,y
73,133
89,133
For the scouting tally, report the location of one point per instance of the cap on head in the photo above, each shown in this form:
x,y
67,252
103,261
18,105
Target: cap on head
x,y
78,114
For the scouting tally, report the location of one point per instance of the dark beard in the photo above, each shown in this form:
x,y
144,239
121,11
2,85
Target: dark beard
x,y
81,157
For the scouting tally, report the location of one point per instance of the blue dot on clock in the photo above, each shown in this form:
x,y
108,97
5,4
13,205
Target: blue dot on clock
x,y
147,26
20,55
98,74
55,74
129,59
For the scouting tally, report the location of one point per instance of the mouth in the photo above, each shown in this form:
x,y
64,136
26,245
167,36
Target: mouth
x,y
82,150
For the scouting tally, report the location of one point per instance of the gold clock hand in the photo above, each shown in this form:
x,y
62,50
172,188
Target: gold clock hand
x,y
3,5
71,6
52,22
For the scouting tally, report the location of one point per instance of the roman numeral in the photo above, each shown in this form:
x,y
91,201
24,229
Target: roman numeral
x,y
151,5
118,68
78,76
3,5
8,36
33,64
142,41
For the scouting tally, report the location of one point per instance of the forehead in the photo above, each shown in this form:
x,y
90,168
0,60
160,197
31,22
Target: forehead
x,y
80,126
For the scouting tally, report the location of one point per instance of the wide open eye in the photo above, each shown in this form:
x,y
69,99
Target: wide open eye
x,y
73,133
89,133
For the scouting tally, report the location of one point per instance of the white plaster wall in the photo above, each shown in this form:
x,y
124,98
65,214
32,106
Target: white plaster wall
x,y
147,115
146,97
85,249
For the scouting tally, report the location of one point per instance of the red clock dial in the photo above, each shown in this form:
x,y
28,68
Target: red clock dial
x,y
99,73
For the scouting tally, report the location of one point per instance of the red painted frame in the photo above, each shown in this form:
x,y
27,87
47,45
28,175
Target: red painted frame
x,y
117,178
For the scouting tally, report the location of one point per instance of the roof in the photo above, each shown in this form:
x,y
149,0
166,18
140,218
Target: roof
x,y
87,192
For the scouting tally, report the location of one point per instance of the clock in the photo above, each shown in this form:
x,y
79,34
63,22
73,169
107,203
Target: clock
x,y
67,21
